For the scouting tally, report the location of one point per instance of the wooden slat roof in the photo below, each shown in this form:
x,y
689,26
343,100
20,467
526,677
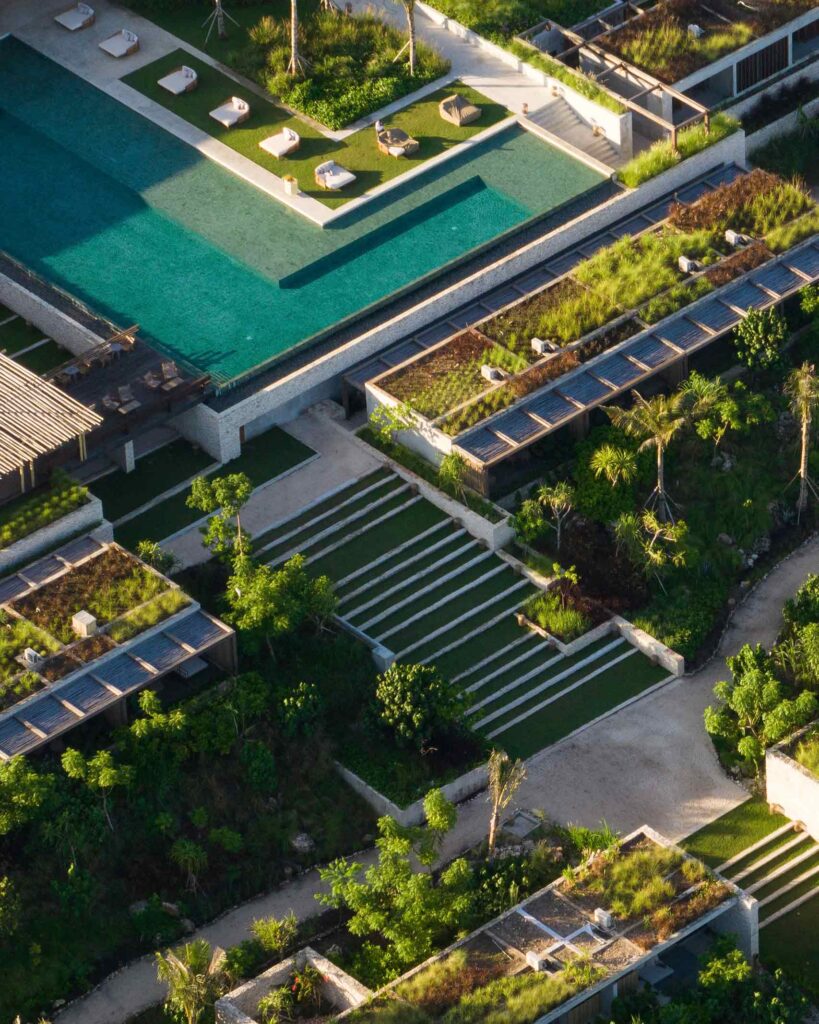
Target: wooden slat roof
x,y
35,416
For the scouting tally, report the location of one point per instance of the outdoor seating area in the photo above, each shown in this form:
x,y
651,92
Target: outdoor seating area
x,y
281,144
458,111
183,79
395,141
121,44
76,18
333,176
232,112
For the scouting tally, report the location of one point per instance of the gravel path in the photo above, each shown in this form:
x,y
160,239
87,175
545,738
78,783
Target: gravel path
x,y
650,763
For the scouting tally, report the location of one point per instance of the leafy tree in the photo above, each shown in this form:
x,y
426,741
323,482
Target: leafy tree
x,y
408,912
651,544
387,420
753,711
758,339
452,475
558,500
224,497
505,776
802,389
151,551
10,908
267,603
23,791
275,934
615,463
655,422
301,709
418,703
809,299
193,974
100,773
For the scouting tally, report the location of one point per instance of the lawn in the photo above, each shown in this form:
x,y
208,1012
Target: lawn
x,y
733,832
792,943
263,458
358,153
17,334
154,474
44,358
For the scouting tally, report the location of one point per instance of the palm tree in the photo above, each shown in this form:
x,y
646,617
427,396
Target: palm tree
x,y
802,388
656,421
504,778
559,499
193,974
297,63
616,464
409,10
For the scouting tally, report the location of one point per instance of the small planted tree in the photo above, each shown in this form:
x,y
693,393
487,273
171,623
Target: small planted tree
x,y
418,703
410,45
615,463
223,498
100,773
505,777
652,545
275,934
558,501
193,975
191,858
452,475
802,389
758,339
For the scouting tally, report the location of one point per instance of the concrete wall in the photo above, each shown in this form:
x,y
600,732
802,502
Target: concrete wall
x,y
81,520
459,789
791,786
742,106
52,322
218,433
742,921
652,648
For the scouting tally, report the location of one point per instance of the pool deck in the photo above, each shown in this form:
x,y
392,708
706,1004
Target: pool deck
x,y
79,52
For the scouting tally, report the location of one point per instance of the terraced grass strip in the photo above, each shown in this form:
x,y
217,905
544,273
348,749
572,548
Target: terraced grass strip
x,y
570,668
423,552
580,705
495,696
737,834
365,529
497,631
516,587
805,893
775,854
495,656
791,885
784,870
737,858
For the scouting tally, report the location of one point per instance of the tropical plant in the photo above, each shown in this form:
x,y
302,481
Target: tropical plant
x,y
652,545
224,497
100,773
802,389
758,339
505,778
418,703
452,475
297,64
559,500
655,422
615,463
275,933
193,974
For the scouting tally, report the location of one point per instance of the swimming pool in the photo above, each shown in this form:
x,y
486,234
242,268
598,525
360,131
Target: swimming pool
x,y
143,229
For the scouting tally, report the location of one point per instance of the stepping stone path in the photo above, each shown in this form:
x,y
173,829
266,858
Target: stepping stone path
x,y
416,582
781,871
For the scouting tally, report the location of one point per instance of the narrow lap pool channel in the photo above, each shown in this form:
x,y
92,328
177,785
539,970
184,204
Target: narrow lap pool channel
x,y
143,229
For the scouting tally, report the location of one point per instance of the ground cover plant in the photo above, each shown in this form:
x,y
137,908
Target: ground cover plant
x,y
807,753
15,636
557,617
661,155
20,518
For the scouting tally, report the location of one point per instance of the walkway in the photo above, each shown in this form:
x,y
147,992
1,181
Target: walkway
x,y
650,763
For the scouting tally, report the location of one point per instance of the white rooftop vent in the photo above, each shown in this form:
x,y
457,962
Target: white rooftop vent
x,y
603,919
32,659
492,373
736,239
542,347
540,962
687,265
84,624
695,31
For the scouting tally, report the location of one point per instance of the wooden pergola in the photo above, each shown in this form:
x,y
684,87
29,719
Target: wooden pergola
x,y
36,418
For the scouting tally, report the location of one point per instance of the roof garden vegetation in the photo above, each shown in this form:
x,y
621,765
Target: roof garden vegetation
x,y
29,513
807,752
661,155
659,41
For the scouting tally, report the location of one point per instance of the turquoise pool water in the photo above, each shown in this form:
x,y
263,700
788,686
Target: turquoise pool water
x,y
143,229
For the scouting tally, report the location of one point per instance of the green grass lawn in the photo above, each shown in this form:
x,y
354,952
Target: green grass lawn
x,y
263,458
733,832
44,357
17,334
154,474
792,943
358,153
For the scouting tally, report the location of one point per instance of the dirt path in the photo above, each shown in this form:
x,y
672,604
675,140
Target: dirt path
x,y
650,763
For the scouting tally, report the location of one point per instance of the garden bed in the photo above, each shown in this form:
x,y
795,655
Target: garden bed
x,y
30,513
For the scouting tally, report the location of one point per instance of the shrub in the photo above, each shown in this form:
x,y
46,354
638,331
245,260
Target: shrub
x,y
758,339
26,516
577,81
660,157
807,753
418,703
562,621
156,610
803,608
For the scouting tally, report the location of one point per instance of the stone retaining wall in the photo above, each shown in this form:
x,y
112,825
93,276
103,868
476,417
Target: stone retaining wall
x,y
51,321
81,520
791,786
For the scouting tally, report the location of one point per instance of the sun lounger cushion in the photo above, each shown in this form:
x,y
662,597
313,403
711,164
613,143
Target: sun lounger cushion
x,y
180,81
396,142
76,18
333,176
121,44
231,112
282,144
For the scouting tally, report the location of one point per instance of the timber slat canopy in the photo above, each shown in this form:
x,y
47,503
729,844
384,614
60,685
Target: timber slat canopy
x,y
35,417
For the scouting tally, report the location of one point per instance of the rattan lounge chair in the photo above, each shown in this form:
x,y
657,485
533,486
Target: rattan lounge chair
x,y
76,18
179,81
458,111
281,144
232,112
124,43
333,176
396,142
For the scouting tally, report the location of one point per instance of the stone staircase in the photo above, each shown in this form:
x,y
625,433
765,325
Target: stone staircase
x,y
560,119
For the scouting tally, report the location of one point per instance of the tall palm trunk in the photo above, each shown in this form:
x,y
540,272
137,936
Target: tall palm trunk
x,y
409,8
802,503
663,508
221,31
296,65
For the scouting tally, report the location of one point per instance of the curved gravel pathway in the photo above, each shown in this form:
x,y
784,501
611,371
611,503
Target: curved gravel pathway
x,y
650,763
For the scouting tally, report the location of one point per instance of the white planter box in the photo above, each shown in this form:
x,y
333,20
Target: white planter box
x,y
791,786
81,520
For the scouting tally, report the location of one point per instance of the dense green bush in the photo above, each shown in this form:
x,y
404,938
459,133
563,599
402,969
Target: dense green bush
x,y
417,703
660,156
803,608
684,617
549,612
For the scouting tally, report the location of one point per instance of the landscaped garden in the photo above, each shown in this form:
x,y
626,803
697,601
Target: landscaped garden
x,y
796,152
29,513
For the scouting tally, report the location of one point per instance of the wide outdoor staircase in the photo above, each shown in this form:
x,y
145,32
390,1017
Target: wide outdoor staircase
x,y
781,871
560,119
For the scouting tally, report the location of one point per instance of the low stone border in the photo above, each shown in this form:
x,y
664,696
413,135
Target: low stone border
x,y
81,520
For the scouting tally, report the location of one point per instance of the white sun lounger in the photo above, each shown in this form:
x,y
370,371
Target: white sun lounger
x,y
122,44
333,176
231,112
282,144
76,18
179,81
